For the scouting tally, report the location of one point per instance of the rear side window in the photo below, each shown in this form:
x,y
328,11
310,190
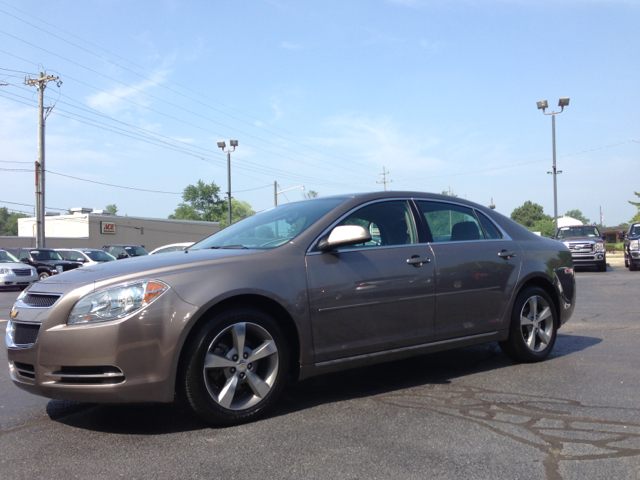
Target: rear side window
x,y
451,223
490,230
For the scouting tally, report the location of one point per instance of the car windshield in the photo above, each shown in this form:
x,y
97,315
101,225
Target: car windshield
x,y
635,230
6,257
45,255
134,251
568,232
273,227
99,256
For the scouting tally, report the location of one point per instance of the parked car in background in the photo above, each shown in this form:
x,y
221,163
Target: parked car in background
x,y
13,273
586,244
295,291
85,256
45,260
631,249
174,247
125,251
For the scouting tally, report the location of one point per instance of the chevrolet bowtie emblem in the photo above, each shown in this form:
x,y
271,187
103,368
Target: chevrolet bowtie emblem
x,y
14,312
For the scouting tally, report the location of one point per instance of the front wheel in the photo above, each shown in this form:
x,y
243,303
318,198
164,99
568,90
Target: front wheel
x,y
602,266
235,367
533,329
632,266
43,275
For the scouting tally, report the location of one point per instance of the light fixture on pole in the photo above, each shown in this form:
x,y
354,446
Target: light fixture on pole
x,y
542,105
222,145
276,192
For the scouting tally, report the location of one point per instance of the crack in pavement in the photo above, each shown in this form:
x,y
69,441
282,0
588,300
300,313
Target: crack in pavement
x,y
554,426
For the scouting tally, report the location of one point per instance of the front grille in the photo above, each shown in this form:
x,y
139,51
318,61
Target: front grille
x,y
22,272
40,300
25,334
68,267
25,370
581,247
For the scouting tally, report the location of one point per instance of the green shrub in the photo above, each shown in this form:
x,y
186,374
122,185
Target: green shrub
x,y
615,247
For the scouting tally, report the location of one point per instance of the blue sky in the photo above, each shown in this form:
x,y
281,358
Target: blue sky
x,y
324,94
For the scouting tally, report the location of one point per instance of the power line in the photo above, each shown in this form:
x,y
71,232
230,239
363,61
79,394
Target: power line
x,y
186,110
159,75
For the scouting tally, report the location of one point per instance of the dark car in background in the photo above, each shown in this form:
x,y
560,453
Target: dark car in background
x,y
125,251
586,244
631,249
296,291
45,260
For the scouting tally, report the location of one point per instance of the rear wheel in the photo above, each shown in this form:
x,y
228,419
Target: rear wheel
x,y
533,329
235,367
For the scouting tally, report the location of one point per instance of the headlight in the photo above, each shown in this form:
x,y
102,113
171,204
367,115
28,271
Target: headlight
x,y
633,245
599,247
115,302
59,268
4,271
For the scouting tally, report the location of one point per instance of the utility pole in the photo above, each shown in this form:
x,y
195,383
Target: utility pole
x,y
384,179
275,194
41,84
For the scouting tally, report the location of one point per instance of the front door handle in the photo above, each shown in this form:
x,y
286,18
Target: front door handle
x,y
506,254
417,260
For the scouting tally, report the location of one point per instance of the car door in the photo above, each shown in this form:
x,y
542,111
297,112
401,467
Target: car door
x,y
374,296
477,266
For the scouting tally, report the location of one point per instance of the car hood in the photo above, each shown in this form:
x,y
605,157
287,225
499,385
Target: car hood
x,y
16,265
581,239
131,268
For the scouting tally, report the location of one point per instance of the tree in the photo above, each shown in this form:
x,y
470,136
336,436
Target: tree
x,y
311,194
9,222
202,202
577,214
528,214
546,227
449,193
636,218
112,209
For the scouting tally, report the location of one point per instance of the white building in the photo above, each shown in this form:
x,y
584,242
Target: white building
x,y
93,229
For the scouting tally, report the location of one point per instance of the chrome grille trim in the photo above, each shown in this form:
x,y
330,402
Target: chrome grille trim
x,y
39,300
22,272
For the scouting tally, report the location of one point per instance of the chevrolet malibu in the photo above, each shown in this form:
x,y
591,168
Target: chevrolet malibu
x,y
300,290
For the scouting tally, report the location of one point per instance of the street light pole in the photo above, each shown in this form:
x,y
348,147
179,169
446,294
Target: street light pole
x,y
222,145
542,105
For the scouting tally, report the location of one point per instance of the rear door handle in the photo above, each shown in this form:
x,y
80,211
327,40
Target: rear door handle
x,y
506,254
417,260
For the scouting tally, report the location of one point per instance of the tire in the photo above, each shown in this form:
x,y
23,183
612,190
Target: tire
x,y
626,262
602,266
520,345
632,266
224,388
43,275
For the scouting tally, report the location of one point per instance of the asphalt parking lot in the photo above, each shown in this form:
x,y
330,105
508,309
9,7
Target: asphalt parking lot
x,y
467,413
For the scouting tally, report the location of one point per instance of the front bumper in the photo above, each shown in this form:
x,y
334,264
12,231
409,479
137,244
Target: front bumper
x,y
130,360
11,280
588,259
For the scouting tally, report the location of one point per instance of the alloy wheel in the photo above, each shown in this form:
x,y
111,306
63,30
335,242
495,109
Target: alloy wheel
x,y
241,366
536,323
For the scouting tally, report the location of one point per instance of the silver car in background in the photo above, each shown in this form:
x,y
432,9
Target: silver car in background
x,y
299,290
85,256
14,273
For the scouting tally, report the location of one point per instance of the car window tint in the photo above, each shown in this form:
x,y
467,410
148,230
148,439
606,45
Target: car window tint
x,y
117,251
490,230
451,223
390,223
75,256
24,255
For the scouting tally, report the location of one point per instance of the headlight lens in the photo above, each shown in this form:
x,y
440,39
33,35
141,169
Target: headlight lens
x,y
59,268
4,271
599,247
633,245
115,302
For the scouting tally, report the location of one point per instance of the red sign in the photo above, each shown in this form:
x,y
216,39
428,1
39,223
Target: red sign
x,y
108,227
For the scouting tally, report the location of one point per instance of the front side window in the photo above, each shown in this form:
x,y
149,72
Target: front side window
x,y
451,223
24,254
45,255
99,256
390,223
76,257
117,251
134,251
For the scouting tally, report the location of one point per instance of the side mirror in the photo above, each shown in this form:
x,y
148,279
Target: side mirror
x,y
344,235
81,260
604,236
122,255
24,260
